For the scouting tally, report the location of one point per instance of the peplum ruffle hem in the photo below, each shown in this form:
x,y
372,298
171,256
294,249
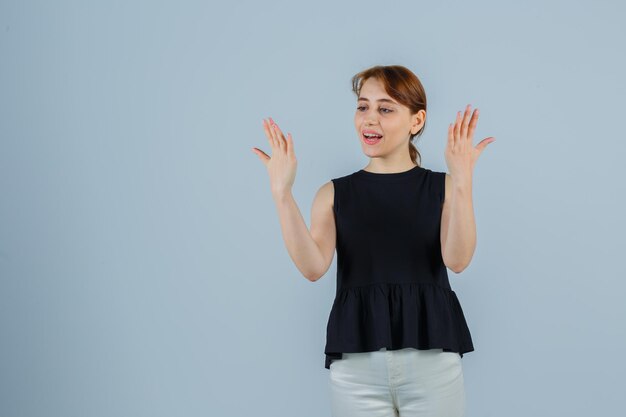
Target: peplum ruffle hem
x,y
421,315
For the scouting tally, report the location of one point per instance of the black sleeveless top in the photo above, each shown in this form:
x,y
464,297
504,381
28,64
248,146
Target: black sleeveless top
x,y
392,285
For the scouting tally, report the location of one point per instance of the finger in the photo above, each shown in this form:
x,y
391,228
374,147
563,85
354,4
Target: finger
x,y
280,137
472,125
275,135
483,143
450,135
290,148
465,123
268,133
262,155
457,128
279,141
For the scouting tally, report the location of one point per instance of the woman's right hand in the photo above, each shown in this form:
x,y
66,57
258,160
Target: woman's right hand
x,y
281,166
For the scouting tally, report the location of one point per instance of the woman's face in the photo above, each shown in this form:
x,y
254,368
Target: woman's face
x,y
378,113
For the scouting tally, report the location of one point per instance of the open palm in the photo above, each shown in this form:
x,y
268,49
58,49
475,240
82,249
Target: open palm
x,y
460,155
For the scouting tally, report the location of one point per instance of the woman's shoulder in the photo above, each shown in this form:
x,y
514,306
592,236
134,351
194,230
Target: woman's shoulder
x,y
326,193
343,177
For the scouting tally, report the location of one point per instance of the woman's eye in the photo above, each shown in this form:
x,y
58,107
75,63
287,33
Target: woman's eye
x,y
382,108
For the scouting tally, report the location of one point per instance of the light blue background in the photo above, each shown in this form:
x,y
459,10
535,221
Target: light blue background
x,y
142,266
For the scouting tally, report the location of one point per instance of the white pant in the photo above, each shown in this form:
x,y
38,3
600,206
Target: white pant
x,y
390,383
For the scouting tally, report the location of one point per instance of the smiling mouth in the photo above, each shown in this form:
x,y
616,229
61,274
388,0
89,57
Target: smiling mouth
x,y
371,140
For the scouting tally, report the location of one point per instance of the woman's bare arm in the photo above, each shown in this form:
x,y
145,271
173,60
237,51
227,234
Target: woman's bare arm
x,y
458,225
312,252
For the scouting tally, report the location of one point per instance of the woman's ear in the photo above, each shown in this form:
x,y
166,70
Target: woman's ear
x,y
418,121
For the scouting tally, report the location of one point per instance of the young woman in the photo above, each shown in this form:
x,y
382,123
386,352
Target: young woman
x,y
396,332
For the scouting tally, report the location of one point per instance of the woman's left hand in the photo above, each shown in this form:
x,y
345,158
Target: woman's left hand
x,y
460,155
